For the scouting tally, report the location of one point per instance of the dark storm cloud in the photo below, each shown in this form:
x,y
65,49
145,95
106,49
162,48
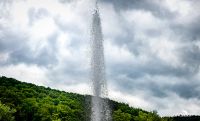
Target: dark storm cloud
x,y
186,90
146,5
190,55
69,73
16,44
10,40
130,85
188,31
45,57
188,28
132,77
154,67
19,51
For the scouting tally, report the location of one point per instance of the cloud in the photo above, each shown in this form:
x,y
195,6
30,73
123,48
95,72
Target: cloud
x,y
190,56
19,51
155,7
26,73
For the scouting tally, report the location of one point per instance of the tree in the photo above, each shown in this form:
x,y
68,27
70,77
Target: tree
x,y
121,116
37,103
6,113
150,116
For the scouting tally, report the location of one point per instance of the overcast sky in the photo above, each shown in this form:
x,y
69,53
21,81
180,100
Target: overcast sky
x,y
152,49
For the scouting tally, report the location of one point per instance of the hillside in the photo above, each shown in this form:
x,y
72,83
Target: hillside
x,y
20,101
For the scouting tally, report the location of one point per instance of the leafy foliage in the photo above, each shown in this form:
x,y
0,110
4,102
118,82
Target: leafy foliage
x,y
6,113
22,101
121,116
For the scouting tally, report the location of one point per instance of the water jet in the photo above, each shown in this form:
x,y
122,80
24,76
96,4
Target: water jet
x,y
100,108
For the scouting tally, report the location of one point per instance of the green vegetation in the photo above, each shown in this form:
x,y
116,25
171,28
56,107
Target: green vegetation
x,y
20,101
6,113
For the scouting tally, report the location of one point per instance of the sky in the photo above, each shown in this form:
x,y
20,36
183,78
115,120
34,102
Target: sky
x,y
151,47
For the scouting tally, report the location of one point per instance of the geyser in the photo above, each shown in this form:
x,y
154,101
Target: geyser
x,y
100,108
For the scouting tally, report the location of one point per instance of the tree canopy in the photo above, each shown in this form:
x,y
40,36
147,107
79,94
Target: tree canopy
x,y
20,101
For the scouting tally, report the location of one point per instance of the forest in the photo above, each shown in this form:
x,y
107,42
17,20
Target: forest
x,y
20,101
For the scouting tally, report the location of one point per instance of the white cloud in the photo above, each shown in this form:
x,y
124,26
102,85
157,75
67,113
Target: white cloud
x,y
116,54
111,23
183,7
142,20
176,105
186,11
4,57
80,88
165,49
19,14
26,73
42,29
134,101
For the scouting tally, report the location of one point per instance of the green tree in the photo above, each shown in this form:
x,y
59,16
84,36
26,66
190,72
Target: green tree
x,y
141,117
121,116
166,119
6,113
37,103
150,116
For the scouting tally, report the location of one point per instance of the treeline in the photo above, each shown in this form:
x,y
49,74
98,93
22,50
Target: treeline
x,y
185,118
20,101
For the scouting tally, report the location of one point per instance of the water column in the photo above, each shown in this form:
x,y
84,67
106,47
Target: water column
x,y
100,108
